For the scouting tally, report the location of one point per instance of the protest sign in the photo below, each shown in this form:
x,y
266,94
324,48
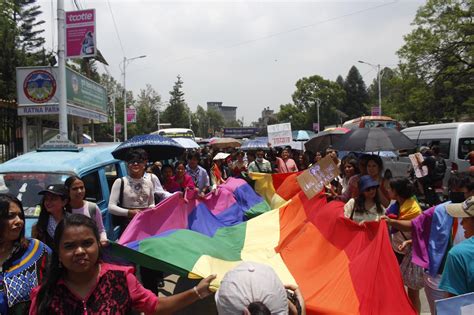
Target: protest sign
x,y
279,134
417,160
313,180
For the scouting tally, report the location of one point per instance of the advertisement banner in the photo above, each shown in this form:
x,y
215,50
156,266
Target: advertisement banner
x,y
279,134
240,132
313,180
315,127
84,92
131,115
80,34
376,111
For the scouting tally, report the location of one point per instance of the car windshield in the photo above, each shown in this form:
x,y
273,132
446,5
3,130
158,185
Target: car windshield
x,y
380,123
26,186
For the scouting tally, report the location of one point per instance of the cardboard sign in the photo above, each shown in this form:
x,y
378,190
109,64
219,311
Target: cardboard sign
x,y
313,180
279,135
416,160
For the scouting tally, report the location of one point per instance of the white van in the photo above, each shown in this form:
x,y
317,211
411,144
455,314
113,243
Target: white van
x,y
455,141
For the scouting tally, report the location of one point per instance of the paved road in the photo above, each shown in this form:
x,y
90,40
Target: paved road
x,y
175,284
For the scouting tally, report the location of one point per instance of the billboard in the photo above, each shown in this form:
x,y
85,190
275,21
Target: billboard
x,y
37,93
80,34
131,115
280,134
240,132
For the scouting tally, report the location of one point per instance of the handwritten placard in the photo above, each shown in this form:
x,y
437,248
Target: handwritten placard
x,y
279,134
313,180
417,160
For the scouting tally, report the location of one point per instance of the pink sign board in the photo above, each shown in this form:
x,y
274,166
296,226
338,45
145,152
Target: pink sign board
x,y
315,127
131,115
376,111
80,34
118,128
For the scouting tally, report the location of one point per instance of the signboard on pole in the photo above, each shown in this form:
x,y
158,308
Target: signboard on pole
x,y
316,127
376,111
279,134
131,115
37,94
80,34
313,180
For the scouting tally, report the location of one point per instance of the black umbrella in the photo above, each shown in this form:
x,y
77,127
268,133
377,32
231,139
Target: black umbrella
x,y
324,139
373,139
157,147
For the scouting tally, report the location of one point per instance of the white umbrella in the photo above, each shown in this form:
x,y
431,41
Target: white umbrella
x,y
187,143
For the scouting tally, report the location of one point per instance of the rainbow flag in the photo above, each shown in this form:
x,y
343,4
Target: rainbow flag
x,y
341,267
233,203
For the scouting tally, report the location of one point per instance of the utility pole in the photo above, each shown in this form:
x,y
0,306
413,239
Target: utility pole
x,y
318,103
113,115
62,71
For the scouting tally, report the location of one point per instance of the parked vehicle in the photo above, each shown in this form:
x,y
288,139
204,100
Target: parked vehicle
x,y
32,172
455,141
175,133
372,122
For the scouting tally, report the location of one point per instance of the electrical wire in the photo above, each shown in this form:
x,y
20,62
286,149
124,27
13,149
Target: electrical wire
x,y
250,41
116,29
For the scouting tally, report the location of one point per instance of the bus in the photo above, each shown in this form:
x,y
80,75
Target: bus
x,y
175,133
371,122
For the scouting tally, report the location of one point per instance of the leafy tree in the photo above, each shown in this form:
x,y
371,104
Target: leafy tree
x,y
440,52
291,113
177,113
357,97
314,89
340,81
147,107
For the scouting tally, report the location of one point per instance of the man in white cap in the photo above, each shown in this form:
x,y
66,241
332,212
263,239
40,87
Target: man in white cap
x,y
458,274
253,288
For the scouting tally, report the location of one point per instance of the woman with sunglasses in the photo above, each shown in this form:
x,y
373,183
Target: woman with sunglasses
x,y
132,193
367,206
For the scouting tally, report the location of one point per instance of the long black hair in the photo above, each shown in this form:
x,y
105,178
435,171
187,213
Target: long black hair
x,y
359,205
402,186
67,186
55,270
5,201
43,218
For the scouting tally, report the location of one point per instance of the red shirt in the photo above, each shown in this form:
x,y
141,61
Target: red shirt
x,y
117,292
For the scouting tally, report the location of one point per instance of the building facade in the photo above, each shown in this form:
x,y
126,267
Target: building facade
x,y
228,112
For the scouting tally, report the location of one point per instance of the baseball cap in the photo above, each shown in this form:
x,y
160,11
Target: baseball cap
x,y
462,210
55,189
251,282
367,182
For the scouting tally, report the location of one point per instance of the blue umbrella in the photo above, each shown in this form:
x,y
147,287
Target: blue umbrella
x,y
157,147
254,144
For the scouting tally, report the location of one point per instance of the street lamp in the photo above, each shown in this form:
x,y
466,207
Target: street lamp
x,y
318,103
378,81
125,62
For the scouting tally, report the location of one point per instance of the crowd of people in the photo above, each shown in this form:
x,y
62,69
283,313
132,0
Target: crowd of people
x,y
61,268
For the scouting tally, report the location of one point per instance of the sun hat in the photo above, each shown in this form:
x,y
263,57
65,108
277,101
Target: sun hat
x,y
251,282
221,156
462,210
367,182
55,189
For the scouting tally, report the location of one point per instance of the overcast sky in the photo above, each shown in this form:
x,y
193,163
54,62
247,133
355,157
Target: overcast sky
x,y
244,53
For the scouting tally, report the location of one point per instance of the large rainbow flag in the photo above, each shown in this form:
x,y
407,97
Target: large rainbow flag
x,y
341,267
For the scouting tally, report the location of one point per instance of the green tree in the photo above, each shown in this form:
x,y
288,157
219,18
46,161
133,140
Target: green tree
x,y
177,113
313,90
291,113
21,41
147,106
357,98
440,52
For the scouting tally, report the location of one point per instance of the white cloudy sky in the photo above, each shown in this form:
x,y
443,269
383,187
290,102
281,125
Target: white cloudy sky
x,y
244,53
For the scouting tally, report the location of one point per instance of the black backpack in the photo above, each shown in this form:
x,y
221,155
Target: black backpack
x,y
439,169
